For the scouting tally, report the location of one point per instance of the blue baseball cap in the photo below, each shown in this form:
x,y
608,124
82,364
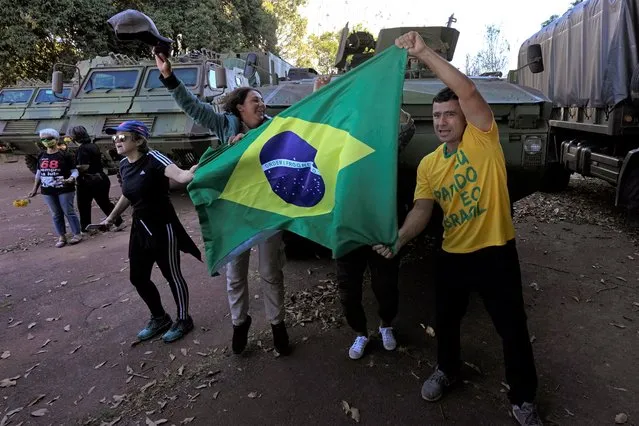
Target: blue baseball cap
x,y
133,126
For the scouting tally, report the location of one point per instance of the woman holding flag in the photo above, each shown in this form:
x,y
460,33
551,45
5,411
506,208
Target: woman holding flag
x,y
244,110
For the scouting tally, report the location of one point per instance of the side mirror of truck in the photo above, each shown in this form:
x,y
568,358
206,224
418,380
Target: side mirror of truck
x,y
57,83
249,68
217,77
535,59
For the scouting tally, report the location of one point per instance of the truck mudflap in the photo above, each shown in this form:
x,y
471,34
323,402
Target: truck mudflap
x,y
628,184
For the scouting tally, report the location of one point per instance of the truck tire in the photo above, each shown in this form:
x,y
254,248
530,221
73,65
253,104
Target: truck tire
x,y
630,193
555,178
32,163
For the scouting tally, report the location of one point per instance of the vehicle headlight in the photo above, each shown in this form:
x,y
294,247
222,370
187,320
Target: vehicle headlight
x,y
532,145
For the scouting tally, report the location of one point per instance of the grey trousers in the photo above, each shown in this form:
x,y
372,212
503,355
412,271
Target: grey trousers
x,y
271,261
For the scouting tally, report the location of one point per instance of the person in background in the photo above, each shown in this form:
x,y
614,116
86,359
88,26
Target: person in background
x,y
244,110
56,175
157,235
384,272
466,176
93,183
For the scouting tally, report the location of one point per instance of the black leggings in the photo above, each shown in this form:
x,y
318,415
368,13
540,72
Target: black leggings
x,y
166,254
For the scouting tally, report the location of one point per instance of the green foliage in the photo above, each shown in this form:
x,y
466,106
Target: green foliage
x,y
36,34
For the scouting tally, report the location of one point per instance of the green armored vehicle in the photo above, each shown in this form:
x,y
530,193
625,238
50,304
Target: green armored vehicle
x,y
25,109
117,88
521,113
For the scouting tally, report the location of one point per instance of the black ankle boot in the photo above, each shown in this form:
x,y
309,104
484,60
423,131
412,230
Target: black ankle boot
x,y
240,335
280,338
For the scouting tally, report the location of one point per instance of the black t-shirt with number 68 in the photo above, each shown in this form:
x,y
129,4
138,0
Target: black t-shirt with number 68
x,y
54,169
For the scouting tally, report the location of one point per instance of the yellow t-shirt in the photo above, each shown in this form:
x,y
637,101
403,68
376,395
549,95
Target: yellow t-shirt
x,y
470,186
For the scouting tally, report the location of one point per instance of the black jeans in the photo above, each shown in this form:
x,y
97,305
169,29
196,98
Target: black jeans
x,y
493,272
95,187
350,276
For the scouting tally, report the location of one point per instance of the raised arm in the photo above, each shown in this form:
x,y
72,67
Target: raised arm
x,y
473,105
201,112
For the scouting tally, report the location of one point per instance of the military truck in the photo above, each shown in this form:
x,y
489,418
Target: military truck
x,y
521,114
592,78
25,109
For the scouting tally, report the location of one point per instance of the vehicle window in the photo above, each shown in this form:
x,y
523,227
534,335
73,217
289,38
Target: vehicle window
x,y
188,76
46,96
15,96
111,79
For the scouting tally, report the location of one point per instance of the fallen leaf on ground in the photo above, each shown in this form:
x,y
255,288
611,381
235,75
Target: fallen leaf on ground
x,y
172,357
200,387
64,283
187,420
30,336
39,413
67,327
617,325
30,326
53,400
621,418
75,350
355,414
100,365
216,394
430,331
5,383
184,351
202,354
39,281
124,300
105,305
534,286
111,423
570,413
196,342
37,399
91,390
148,385
252,395
15,411
15,324
148,352
180,370
5,355
46,343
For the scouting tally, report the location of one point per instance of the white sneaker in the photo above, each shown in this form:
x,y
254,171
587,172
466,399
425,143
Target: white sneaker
x,y
357,349
388,338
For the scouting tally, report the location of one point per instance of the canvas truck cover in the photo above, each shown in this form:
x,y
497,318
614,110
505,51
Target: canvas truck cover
x,y
589,54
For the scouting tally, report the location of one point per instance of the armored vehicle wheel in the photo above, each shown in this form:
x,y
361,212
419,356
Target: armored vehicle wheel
x,y
555,178
32,163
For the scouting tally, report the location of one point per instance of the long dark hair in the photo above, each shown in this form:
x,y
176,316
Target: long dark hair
x,y
237,97
80,134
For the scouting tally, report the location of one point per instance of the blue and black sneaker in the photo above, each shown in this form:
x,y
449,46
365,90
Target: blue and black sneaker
x,y
155,326
179,329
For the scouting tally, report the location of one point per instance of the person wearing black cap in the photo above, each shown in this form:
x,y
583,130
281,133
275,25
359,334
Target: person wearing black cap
x,y
157,236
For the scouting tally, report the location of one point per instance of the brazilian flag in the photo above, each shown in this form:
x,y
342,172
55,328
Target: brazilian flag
x,y
325,169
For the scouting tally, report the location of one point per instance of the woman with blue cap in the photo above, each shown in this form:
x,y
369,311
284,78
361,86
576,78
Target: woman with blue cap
x,y
157,236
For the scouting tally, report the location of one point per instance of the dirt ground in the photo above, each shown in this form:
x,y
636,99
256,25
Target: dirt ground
x,y
68,318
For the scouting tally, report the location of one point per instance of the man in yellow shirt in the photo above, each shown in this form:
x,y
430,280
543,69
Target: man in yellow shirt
x,y
466,176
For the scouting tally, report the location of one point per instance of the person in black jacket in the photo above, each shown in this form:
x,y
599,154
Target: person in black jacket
x,y
93,183
157,236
